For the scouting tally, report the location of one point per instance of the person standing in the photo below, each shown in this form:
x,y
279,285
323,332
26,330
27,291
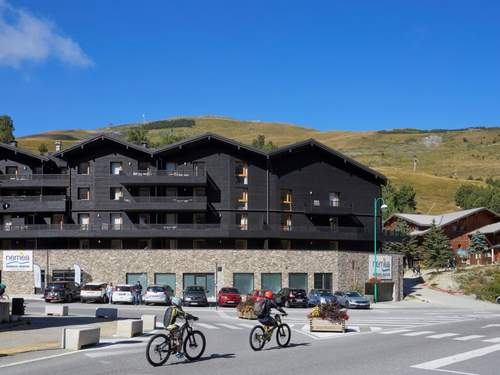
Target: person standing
x,y
137,293
109,292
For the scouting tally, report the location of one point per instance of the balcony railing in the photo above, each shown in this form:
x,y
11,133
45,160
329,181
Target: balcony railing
x,y
180,171
34,177
315,229
108,227
169,199
33,198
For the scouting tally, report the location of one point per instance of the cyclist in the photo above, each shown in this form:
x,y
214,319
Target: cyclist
x,y
265,317
171,314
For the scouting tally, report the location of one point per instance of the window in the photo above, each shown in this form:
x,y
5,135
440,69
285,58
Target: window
x,y
297,280
116,244
116,167
171,168
198,168
84,167
144,244
241,172
116,221
116,194
199,244
286,200
171,192
11,170
271,281
83,194
144,218
144,192
167,279
240,244
334,223
171,218
84,244
242,221
199,192
323,281
243,282
286,222
242,203
142,277
144,166
333,245
84,221
334,199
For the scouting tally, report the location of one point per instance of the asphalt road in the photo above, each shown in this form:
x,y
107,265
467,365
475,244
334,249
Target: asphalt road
x,y
406,338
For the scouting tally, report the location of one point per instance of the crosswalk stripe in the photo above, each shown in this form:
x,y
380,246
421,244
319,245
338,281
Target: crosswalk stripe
x,y
394,331
467,338
442,335
418,333
109,353
228,326
493,340
207,326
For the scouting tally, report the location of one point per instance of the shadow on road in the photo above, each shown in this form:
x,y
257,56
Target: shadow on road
x,y
206,358
291,345
410,284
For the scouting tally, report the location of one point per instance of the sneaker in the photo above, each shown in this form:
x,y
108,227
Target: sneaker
x,y
179,355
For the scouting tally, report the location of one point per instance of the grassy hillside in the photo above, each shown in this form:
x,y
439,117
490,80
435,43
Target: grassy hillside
x,y
446,159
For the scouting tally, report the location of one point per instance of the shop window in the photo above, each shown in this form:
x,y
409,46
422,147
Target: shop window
x,y
286,200
243,282
271,281
241,172
323,281
167,279
83,193
242,221
84,167
286,222
116,193
297,280
242,203
240,244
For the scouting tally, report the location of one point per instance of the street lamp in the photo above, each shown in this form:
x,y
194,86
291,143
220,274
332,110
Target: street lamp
x,y
383,207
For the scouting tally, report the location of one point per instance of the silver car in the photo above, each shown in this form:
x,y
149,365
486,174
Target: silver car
x,y
352,300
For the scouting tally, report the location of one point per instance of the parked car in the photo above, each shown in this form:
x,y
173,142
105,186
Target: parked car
x,y
122,293
352,300
289,297
62,291
498,299
195,295
228,297
94,292
256,295
158,294
318,296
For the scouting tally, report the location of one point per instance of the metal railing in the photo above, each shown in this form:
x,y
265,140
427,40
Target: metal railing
x,y
180,171
169,199
33,177
317,228
321,203
32,198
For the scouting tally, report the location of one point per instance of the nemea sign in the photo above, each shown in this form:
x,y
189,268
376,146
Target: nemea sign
x,y
18,260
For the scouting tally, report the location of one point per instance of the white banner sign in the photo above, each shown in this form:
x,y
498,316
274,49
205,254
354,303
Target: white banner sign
x,y
384,267
37,275
78,274
21,260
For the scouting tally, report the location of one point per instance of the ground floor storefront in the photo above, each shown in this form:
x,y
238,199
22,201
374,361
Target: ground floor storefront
x,y
212,269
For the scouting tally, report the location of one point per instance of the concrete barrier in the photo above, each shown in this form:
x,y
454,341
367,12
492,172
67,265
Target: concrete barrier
x,y
78,337
128,328
106,313
4,312
59,310
148,322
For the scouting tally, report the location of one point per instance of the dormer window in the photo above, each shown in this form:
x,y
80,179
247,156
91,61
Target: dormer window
x,y
84,167
116,167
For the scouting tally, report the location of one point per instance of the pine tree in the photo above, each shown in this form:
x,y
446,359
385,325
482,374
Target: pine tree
x,y
42,149
6,129
436,247
478,243
408,246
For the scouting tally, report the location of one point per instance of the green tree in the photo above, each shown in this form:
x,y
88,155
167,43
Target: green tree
x,y
6,129
169,138
408,246
436,247
472,196
42,149
402,199
260,142
137,135
479,244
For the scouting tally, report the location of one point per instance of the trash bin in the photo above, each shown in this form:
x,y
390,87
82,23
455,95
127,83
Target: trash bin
x,y
17,306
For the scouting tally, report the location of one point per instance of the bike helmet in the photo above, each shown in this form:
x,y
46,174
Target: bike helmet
x,y
268,294
176,301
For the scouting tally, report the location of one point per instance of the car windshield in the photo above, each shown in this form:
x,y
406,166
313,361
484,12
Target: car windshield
x,y
297,291
123,288
324,292
196,289
155,289
55,286
230,290
353,294
92,287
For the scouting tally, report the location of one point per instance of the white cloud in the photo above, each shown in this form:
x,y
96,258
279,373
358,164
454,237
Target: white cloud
x,y
27,38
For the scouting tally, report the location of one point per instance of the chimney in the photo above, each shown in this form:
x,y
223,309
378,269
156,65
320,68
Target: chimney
x,y
58,145
144,144
13,143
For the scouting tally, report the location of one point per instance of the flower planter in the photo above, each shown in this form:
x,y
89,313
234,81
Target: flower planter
x,y
247,315
325,325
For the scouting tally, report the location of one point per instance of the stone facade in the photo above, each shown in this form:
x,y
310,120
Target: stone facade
x,y
349,269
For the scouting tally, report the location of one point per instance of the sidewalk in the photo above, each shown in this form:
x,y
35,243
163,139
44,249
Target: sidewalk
x,y
27,297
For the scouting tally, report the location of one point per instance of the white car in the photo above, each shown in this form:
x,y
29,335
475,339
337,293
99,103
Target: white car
x,y
94,292
157,294
122,293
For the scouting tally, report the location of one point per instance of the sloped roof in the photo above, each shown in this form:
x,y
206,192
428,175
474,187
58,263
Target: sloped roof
x,y
487,229
24,152
439,220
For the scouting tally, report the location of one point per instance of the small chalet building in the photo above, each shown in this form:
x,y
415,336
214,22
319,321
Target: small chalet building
x,y
459,226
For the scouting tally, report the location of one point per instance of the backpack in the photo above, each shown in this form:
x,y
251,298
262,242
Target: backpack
x,y
258,307
167,317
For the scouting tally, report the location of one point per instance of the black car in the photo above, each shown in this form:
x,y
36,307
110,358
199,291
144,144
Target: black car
x,y
62,291
289,297
194,296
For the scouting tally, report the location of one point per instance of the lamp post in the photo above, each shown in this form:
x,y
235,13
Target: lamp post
x,y
383,207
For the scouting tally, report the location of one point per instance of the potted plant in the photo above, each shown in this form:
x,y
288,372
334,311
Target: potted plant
x,y
328,317
245,309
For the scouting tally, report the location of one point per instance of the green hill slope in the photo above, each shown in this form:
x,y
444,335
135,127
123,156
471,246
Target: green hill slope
x,y
445,159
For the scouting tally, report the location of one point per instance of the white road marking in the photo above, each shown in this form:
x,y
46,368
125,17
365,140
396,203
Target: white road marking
x,y
467,338
493,340
207,326
446,361
491,325
246,325
418,333
109,353
394,331
228,326
442,335
375,329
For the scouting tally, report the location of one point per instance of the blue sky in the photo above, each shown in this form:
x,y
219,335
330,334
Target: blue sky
x,y
330,65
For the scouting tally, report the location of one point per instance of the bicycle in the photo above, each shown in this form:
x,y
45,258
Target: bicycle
x,y
161,345
259,335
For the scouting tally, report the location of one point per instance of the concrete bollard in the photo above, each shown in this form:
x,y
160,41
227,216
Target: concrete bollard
x,y
148,322
106,313
76,338
128,328
4,312
59,310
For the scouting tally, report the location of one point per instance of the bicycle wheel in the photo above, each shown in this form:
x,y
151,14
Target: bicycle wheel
x,y
194,345
283,335
257,338
158,349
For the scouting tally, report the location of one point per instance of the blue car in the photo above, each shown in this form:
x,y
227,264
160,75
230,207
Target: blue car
x,y
318,296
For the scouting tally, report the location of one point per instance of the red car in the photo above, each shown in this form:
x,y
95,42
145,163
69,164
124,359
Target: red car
x,y
257,295
228,297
